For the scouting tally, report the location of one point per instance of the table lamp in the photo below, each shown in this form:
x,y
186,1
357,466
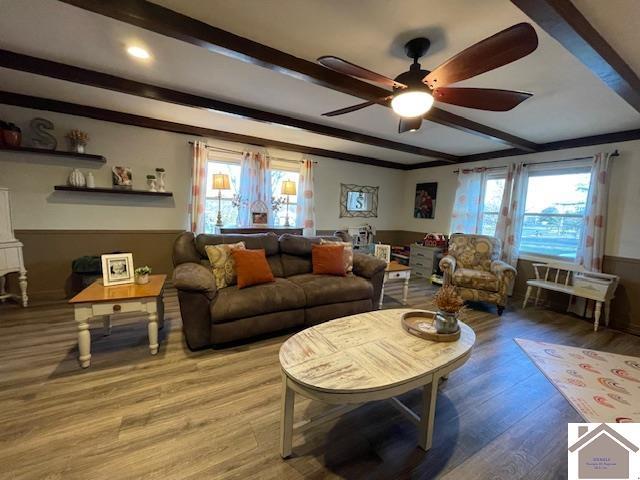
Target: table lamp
x,y
288,188
220,182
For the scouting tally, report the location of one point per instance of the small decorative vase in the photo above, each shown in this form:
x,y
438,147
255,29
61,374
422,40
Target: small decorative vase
x,y
12,138
80,147
446,322
91,181
142,279
76,178
152,184
161,181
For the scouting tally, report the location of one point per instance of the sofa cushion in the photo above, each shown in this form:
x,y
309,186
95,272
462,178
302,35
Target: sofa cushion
x,y
222,263
233,303
478,279
252,267
267,241
299,246
348,253
328,259
327,289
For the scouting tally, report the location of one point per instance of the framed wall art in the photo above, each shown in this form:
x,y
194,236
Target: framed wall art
x,y
358,201
425,201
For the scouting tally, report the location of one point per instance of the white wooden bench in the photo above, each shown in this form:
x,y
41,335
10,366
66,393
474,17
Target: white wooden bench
x,y
574,281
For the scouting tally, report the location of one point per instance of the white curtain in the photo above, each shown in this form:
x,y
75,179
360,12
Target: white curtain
x,y
509,227
305,209
591,250
466,209
255,185
198,187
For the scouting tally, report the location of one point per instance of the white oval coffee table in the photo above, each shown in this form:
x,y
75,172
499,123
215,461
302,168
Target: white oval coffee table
x,y
361,358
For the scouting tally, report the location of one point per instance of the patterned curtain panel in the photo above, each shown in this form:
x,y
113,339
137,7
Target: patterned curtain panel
x,y
466,209
305,210
198,187
591,250
255,185
509,227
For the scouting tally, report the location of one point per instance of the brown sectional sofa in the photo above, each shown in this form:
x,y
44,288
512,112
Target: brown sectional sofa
x,y
297,298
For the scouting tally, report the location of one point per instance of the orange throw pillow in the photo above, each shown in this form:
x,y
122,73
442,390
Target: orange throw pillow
x,y
328,259
252,267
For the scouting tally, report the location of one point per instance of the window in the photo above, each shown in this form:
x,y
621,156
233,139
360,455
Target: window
x,y
277,177
228,211
554,211
491,200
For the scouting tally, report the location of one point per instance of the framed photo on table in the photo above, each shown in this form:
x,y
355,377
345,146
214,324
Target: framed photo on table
x,y
117,269
383,252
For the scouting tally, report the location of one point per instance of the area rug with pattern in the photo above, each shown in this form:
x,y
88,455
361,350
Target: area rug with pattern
x,y
602,387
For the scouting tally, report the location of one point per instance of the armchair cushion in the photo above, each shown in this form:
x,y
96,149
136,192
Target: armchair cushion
x,y
503,269
195,277
476,279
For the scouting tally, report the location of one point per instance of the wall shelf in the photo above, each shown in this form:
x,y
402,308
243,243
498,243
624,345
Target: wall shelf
x,y
56,153
116,191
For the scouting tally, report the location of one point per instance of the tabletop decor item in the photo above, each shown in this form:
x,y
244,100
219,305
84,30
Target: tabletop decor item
x,y
151,181
142,275
76,178
220,182
122,177
91,181
161,176
259,213
421,323
10,134
77,140
40,137
449,306
117,269
383,252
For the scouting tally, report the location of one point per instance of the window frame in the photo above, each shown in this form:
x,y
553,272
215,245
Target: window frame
x,y
546,169
290,166
493,174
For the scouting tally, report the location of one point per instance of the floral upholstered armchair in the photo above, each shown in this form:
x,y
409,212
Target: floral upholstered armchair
x,y
474,267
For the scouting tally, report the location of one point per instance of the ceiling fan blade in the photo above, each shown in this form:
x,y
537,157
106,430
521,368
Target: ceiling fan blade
x,y
500,49
481,98
409,124
348,68
352,108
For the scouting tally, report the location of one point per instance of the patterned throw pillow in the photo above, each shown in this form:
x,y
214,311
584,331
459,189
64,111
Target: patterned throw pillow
x,y
348,253
222,263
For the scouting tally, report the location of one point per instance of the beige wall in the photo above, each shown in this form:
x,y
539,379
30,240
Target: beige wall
x,y
36,206
623,223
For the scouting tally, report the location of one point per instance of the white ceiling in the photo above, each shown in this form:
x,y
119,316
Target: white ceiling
x,y
568,100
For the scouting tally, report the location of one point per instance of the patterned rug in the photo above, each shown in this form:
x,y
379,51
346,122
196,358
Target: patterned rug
x,y
602,387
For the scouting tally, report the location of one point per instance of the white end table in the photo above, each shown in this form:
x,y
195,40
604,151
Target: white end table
x,y
99,301
396,271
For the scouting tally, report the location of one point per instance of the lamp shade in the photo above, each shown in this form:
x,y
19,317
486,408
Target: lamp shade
x,y
220,181
288,187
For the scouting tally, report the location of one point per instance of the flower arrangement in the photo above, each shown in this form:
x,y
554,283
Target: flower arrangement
x,y
447,300
151,177
237,201
146,270
78,137
277,203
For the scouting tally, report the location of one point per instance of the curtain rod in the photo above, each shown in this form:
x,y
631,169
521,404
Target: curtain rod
x,y
228,150
614,154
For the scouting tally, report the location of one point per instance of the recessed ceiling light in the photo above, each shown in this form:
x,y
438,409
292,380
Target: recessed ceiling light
x,y
138,52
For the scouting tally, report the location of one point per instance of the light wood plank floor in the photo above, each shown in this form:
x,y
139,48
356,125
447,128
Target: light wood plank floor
x,y
214,413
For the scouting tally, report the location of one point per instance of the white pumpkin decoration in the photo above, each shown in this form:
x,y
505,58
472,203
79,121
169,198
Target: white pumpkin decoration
x,y
76,178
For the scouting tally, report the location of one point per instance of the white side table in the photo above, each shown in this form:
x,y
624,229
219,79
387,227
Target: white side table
x,y
99,301
397,271
11,259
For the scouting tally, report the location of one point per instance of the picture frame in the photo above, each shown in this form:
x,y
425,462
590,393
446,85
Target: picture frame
x,y
259,213
425,200
122,177
383,252
358,201
117,269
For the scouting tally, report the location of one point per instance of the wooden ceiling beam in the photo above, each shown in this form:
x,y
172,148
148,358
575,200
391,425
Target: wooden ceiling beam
x,y
564,22
164,21
40,103
61,71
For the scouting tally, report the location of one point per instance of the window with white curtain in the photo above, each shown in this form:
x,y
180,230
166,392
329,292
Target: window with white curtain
x,y
280,171
555,204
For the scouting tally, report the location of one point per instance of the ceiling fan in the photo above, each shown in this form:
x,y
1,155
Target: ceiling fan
x,y
415,90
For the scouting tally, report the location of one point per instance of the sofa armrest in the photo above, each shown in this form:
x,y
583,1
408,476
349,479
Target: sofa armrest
x,y
367,265
503,269
193,277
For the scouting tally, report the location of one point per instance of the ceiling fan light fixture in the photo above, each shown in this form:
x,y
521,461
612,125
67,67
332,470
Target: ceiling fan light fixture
x,y
412,103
